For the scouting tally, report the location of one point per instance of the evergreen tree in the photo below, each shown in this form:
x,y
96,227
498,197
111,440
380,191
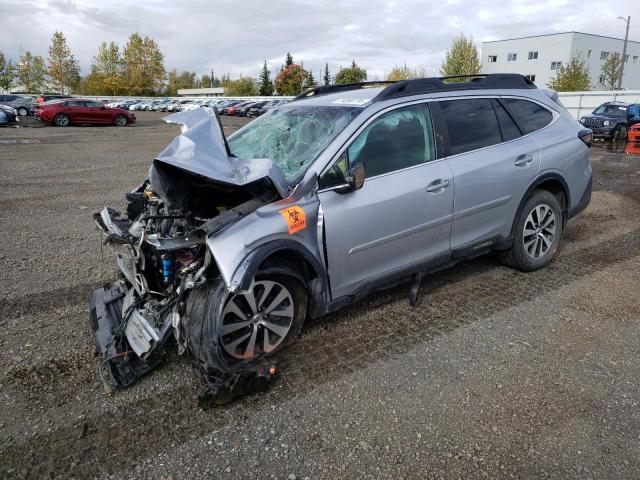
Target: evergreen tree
x,y
64,69
573,77
327,76
309,81
462,58
288,61
265,85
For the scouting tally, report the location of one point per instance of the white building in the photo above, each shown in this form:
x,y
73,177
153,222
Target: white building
x,y
201,92
539,56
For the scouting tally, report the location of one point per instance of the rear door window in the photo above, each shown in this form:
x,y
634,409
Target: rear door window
x,y
75,103
471,124
528,115
508,127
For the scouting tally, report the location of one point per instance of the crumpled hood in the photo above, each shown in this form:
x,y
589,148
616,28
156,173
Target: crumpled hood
x,y
202,148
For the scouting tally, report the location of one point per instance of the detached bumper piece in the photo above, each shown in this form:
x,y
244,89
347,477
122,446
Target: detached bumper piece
x,y
123,365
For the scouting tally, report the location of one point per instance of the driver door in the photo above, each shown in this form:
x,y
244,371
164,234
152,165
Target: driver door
x,y
401,216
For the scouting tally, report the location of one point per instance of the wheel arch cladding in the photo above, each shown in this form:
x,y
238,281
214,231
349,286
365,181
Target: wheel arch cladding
x,y
552,182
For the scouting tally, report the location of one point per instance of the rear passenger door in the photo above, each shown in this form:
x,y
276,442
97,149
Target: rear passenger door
x,y
493,163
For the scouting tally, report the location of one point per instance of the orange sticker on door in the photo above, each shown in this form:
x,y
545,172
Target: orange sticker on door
x,y
295,217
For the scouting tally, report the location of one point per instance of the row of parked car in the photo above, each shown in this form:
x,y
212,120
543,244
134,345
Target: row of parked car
x,y
243,108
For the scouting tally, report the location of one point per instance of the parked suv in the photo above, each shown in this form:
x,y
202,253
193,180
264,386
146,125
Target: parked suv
x,y
230,245
612,119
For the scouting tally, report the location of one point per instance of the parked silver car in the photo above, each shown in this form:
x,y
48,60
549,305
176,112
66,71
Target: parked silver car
x,y
230,245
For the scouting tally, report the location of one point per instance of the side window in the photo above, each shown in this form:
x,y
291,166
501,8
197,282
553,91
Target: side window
x,y
528,115
471,124
398,139
92,104
507,126
75,103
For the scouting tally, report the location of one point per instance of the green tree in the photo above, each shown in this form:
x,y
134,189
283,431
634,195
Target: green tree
x,y
185,79
32,72
611,71
403,72
290,80
108,66
309,80
205,81
7,73
244,86
265,85
326,78
288,61
462,58
573,77
352,74
143,66
64,69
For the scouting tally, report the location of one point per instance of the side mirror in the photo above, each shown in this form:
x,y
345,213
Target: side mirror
x,y
355,177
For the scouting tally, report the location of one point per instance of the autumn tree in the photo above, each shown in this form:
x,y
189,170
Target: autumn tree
x,y
352,74
184,79
290,80
265,85
403,72
7,73
611,71
243,87
143,66
32,72
63,68
573,77
462,58
326,78
108,64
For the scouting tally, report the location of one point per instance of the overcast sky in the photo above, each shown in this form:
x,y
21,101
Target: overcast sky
x,y
236,36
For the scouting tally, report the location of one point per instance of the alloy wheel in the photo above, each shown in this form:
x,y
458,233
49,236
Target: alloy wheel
x,y
256,321
539,231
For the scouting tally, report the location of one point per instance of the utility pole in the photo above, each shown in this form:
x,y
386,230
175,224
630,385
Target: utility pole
x,y
624,50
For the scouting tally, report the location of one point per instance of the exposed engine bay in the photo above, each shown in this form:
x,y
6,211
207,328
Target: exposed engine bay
x,y
168,272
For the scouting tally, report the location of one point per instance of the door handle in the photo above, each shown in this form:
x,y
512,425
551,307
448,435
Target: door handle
x,y
523,160
438,185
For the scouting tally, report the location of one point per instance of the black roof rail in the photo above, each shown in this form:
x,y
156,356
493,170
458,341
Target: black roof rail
x,y
419,86
326,89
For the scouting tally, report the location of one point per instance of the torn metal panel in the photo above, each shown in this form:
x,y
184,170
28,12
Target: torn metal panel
x,y
202,148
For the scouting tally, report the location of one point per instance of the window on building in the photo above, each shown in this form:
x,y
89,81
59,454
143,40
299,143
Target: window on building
x,y
604,55
601,80
493,58
589,53
533,55
471,124
556,65
635,59
511,57
528,115
531,77
626,58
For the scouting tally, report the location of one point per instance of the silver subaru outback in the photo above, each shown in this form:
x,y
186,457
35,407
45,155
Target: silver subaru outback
x,y
231,244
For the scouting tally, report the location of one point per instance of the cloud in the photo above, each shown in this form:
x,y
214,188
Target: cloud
x,y
236,37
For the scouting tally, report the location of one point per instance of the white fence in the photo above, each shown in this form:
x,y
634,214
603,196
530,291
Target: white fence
x,y
583,103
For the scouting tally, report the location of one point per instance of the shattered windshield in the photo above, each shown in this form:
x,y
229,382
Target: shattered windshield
x,y
292,136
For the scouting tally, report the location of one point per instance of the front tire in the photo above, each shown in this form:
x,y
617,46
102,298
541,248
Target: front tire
x,y
263,320
120,121
621,133
61,120
537,233
23,112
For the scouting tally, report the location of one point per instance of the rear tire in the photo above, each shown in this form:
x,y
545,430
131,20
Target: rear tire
x,y
621,132
61,120
23,112
537,233
120,121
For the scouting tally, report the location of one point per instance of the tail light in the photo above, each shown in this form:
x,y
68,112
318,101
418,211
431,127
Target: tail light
x,y
586,135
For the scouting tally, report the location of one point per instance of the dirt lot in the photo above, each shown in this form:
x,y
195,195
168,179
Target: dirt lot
x,y
495,374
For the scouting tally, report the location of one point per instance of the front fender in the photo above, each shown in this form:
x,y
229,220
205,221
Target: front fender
x,y
286,224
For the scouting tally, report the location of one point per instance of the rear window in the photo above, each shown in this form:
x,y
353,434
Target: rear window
x,y
471,124
528,115
507,126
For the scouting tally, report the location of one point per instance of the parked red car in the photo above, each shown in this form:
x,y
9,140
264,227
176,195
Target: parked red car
x,y
232,110
77,110
633,134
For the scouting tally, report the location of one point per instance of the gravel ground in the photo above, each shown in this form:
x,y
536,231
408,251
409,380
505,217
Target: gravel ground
x,y
495,374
